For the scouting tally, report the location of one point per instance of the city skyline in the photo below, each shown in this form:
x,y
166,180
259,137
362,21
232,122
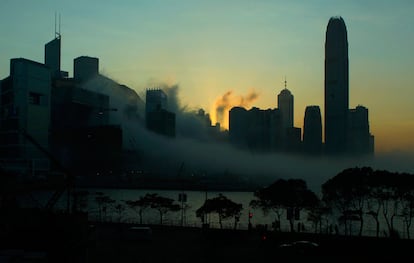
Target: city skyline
x,y
239,48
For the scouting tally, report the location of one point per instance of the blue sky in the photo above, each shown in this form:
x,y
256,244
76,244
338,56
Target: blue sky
x,y
211,47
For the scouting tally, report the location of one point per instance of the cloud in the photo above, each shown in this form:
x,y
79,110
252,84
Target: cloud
x,y
229,100
201,154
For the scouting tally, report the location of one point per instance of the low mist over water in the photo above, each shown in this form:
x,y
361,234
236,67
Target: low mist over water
x,y
201,154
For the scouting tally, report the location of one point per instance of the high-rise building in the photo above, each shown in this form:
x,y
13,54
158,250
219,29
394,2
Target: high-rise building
x,y
360,141
85,68
52,57
25,108
336,86
312,130
155,99
157,118
238,126
285,105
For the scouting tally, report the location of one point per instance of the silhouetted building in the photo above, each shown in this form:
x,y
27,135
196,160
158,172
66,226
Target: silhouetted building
x,y
81,136
336,86
75,107
293,142
204,118
89,150
277,133
285,105
53,58
155,99
85,68
289,140
158,119
25,107
360,141
312,130
255,129
258,131
238,126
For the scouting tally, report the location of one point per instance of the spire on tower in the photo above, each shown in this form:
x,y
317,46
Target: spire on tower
x,y
57,33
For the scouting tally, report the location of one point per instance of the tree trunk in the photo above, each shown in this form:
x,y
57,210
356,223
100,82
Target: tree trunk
x,y
378,225
140,217
361,226
160,217
392,232
292,225
221,224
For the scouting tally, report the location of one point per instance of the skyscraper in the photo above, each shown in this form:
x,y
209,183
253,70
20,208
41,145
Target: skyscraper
x,y
52,56
285,105
312,130
336,86
158,119
360,140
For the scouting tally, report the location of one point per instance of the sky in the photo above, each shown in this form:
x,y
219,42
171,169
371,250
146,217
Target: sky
x,y
210,48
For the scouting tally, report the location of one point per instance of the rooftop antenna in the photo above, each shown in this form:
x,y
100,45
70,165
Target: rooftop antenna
x,y
59,26
55,23
285,82
57,33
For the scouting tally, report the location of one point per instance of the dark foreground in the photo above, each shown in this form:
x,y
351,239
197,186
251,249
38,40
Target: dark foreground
x,y
176,244
45,237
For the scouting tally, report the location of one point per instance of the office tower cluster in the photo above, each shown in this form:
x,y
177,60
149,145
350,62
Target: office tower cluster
x,y
346,130
49,121
267,130
43,110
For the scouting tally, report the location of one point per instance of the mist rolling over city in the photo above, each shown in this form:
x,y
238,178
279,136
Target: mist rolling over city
x,y
157,131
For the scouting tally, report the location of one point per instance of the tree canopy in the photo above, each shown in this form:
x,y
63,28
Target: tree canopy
x,y
224,207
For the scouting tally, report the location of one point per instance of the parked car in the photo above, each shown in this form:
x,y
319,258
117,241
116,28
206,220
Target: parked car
x,y
300,247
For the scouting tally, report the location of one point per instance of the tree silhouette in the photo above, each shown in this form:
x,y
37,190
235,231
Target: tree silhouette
x,y
349,192
162,204
103,202
317,215
224,207
358,191
119,208
140,205
292,195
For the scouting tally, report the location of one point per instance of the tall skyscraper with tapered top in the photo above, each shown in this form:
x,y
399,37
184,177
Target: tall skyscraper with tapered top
x,y
336,86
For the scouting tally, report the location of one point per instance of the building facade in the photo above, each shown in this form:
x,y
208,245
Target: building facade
x,y
285,105
25,111
157,118
52,57
85,68
312,130
360,141
256,130
336,86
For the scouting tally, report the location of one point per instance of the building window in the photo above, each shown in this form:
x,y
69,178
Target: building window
x,y
35,98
